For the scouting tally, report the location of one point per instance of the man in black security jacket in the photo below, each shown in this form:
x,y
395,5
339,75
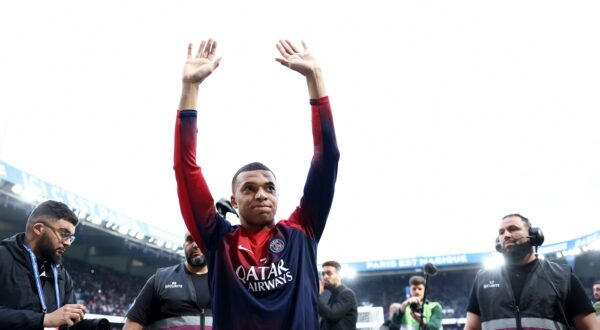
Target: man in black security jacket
x,y
37,292
175,297
527,292
339,312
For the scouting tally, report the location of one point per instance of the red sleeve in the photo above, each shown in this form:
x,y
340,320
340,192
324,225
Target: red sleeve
x,y
195,200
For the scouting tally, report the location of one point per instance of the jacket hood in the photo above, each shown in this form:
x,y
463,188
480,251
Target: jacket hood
x,y
14,245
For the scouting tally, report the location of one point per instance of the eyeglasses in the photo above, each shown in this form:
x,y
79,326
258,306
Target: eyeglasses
x,y
63,234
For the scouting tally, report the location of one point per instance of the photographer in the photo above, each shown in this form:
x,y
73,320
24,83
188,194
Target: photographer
x,y
412,310
38,291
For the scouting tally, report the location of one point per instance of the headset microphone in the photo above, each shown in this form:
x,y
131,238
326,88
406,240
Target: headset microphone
x,y
536,238
517,241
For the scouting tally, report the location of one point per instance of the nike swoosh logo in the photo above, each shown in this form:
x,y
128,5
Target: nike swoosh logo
x,y
241,247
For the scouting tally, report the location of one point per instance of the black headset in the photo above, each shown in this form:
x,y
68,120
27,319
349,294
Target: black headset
x,y
535,235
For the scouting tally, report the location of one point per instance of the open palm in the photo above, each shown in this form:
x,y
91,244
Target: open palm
x,y
198,67
298,60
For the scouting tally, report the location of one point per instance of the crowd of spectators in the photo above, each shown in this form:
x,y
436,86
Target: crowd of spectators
x,y
101,290
107,292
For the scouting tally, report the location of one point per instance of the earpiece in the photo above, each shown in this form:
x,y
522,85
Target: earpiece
x,y
536,238
498,245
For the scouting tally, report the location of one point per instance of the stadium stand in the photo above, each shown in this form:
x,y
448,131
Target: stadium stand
x,y
102,290
109,267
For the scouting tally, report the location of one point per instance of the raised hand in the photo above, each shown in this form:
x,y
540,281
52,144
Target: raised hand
x,y
303,61
298,60
198,67
195,70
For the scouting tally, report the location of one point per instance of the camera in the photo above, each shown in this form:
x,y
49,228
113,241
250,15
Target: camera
x,y
415,307
91,324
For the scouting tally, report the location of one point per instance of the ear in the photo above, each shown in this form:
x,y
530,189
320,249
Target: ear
x,y
233,202
37,229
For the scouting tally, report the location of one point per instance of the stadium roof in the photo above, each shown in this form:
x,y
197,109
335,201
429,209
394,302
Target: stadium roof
x,y
30,189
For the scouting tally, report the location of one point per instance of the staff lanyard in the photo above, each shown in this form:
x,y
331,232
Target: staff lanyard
x,y
38,282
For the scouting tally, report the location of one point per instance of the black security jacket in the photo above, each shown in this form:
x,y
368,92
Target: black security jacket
x,y
537,307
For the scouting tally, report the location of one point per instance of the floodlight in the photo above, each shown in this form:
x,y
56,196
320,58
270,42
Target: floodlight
x,y
30,195
95,220
17,189
348,272
493,261
559,254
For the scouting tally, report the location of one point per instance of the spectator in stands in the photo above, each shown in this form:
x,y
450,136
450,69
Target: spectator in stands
x,y
596,293
37,292
414,313
102,290
176,296
549,295
389,324
338,310
263,273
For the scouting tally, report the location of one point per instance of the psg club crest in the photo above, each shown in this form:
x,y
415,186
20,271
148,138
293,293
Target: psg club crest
x,y
277,245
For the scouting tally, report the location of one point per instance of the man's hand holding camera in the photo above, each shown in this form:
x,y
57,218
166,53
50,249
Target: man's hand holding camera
x,y
415,307
69,315
413,302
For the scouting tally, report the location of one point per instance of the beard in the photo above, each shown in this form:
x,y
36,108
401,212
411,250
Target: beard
x,y
517,253
48,252
199,261
328,286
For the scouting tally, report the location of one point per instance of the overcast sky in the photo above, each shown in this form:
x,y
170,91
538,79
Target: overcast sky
x,y
449,114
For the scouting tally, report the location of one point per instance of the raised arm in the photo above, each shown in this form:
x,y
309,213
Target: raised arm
x,y
320,183
195,200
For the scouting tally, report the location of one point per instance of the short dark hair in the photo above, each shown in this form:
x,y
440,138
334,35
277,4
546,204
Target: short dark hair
x,y
54,211
525,220
597,282
255,166
416,280
333,264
